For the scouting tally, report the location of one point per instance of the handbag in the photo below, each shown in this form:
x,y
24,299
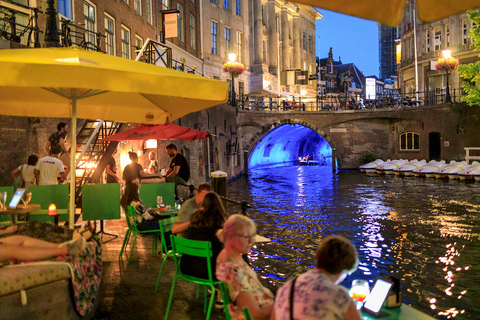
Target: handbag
x,y
19,182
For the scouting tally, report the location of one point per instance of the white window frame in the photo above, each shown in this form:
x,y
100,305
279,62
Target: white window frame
x,y
138,42
213,37
137,6
427,40
239,40
90,36
192,32
109,35
148,11
413,136
180,27
437,38
227,32
464,31
126,50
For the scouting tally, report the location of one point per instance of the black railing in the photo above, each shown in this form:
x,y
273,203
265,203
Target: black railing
x,y
12,30
327,103
74,35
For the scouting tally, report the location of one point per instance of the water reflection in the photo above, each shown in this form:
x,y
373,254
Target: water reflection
x,y
424,232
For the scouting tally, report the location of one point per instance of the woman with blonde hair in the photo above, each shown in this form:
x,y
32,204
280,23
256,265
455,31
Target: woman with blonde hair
x,y
244,288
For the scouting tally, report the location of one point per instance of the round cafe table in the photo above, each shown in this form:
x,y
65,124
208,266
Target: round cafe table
x,y
20,209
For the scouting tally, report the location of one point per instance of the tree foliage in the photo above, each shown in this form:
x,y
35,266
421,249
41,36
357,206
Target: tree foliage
x,y
470,73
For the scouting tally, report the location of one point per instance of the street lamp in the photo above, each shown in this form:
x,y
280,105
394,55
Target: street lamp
x,y
447,63
231,57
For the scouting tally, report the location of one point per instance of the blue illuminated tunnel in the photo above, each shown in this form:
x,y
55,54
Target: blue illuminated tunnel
x,y
286,143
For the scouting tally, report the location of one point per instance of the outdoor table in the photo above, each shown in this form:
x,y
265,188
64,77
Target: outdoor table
x,y
152,180
167,214
20,209
404,312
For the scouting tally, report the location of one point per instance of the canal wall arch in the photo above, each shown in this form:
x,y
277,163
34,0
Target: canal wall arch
x,y
353,134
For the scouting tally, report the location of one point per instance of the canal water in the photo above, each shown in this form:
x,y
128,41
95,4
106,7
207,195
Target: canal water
x,y
422,231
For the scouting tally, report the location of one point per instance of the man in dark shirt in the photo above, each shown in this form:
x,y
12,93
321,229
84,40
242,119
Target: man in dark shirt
x,y
111,170
58,139
179,172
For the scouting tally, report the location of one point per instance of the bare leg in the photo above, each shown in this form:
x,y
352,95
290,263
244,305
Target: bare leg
x,y
28,242
26,253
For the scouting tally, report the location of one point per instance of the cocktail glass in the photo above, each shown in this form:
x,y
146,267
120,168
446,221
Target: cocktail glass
x,y
26,199
359,291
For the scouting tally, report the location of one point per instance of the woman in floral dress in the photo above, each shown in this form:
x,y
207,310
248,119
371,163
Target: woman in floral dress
x,y
244,288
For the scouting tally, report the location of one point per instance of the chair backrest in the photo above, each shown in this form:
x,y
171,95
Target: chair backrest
x,y
47,194
194,248
130,217
101,201
150,191
226,299
165,226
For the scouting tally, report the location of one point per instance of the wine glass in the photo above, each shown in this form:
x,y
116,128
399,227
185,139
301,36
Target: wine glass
x,y
359,291
26,199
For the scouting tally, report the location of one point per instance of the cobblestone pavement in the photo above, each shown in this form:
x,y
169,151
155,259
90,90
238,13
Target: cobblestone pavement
x,y
128,291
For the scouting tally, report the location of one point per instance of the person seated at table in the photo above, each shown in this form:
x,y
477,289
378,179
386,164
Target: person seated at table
x,y
204,223
244,288
146,219
15,247
335,259
134,170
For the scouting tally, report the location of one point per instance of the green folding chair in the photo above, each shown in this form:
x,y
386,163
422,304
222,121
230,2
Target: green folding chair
x,y
247,314
165,226
225,298
132,228
46,194
194,248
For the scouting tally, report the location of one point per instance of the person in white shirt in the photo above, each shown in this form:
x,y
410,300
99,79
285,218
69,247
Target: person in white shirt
x,y
27,171
48,168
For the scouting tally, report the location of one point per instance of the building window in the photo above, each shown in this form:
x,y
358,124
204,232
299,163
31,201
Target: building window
x,y
181,36
447,34
304,65
304,42
464,31
239,46
165,4
427,41
125,42
409,141
225,4
126,1
309,43
213,33
241,90
265,52
89,20
138,43
237,7
227,40
109,35
137,6
266,152
330,68
192,32
148,10
64,8
438,38
216,77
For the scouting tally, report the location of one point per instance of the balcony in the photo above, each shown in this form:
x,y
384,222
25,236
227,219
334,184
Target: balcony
x,y
18,24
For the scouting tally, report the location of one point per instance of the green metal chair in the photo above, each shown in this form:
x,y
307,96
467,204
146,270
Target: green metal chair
x,y
247,314
132,228
165,226
194,248
225,298
44,195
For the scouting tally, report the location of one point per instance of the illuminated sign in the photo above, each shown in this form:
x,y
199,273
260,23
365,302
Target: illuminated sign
x,y
370,88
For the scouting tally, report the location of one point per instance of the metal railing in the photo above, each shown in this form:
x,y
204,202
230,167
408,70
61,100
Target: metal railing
x,y
326,103
73,34
14,31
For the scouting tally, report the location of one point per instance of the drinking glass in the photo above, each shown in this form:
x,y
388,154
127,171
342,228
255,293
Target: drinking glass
x,y
26,199
359,291
1,200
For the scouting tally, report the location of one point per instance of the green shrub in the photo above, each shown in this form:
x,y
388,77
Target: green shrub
x,y
368,157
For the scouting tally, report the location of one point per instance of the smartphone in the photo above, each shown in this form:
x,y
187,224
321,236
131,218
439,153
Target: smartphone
x,y
16,198
376,298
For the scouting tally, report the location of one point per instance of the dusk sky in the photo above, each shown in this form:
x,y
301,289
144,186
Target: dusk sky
x,y
355,40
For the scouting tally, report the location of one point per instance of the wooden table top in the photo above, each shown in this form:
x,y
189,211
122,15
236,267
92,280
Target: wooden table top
x,y
20,209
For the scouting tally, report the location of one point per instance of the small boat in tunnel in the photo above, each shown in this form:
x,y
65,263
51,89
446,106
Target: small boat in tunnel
x,y
288,145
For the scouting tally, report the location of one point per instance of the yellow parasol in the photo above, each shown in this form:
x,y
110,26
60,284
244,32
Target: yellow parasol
x,y
390,12
72,82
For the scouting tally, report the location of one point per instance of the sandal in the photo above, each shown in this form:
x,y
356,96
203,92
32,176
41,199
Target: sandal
x,y
75,246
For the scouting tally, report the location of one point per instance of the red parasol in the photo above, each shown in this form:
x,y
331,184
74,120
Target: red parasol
x,y
165,131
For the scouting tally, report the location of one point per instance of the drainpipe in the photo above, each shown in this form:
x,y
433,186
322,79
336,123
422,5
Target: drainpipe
x,y
201,39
